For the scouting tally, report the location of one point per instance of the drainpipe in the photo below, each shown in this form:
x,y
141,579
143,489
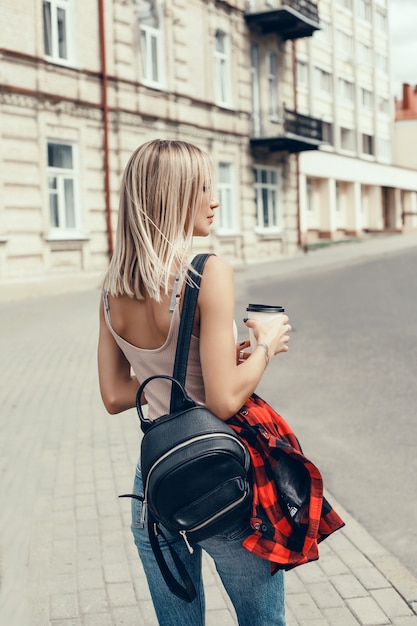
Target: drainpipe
x,y
104,106
297,155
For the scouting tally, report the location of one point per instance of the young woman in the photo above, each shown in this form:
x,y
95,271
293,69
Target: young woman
x,y
166,200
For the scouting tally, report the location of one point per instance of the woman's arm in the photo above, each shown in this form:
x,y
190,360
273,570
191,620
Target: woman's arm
x,y
228,385
118,387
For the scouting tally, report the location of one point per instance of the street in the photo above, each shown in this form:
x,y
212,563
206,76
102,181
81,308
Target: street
x,y
348,386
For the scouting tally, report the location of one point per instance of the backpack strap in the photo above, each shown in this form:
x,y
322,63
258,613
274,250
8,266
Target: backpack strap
x,y
186,327
187,592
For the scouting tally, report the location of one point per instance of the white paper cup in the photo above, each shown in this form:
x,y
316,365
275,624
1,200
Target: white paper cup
x,y
261,312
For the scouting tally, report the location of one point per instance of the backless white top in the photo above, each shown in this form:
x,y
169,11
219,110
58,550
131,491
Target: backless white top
x,y
147,363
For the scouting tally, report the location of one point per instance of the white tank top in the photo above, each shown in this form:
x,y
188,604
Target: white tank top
x,y
147,363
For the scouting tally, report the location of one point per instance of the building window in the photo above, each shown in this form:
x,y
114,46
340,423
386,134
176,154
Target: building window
x,y
339,196
346,90
302,74
365,10
266,191
383,105
227,205
367,144
272,67
367,98
381,19
151,42
382,63
62,187
310,194
364,53
255,89
347,4
384,150
222,66
344,44
323,81
324,35
347,139
56,29
327,130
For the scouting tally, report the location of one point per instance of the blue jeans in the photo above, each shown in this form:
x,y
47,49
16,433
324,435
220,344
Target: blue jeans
x,y
258,597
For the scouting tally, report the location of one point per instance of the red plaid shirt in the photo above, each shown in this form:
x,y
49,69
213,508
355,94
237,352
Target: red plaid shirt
x,y
290,516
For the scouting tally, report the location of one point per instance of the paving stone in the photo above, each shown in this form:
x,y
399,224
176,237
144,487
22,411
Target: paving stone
x,y
367,611
303,607
121,594
93,601
371,578
340,616
348,586
325,595
63,606
391,603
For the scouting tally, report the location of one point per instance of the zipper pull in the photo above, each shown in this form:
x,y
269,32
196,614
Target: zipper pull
x,y
142,514
183,534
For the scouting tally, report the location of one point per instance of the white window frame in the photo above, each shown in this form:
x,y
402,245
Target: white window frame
x,y
365,10
350,134
62,175
310,194
385,149
344,44
383,105
152,50
302,74
269,191
365,53
381,19
368,145
58,8
346,4
339,196
328,132
367,98
255,89
347,90
381,63
324,81
222,68
272,73
324,34
227,215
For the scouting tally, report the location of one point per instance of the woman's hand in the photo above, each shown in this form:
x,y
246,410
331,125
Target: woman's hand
x,y
273,334
240,354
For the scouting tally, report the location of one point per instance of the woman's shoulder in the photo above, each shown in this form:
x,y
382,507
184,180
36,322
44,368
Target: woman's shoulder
x,y
217,266
217,276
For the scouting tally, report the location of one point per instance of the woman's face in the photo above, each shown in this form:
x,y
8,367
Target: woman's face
x,y
205,215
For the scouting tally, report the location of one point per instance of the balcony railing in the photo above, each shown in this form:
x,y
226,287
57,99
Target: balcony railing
x,y
293,132
292,20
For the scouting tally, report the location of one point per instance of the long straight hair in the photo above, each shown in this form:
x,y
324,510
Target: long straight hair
x,y
161,193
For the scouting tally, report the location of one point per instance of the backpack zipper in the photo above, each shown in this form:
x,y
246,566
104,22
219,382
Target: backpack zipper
x,y
168,453
231,506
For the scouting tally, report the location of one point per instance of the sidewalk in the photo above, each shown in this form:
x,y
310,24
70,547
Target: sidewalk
x,y
66,553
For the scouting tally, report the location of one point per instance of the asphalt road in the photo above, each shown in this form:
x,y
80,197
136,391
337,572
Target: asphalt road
x,y
348,386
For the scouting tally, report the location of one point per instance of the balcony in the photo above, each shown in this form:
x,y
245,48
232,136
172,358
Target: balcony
x,y
294,133
292,20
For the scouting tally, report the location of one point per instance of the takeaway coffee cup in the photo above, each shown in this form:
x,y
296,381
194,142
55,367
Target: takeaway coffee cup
x,y
261,312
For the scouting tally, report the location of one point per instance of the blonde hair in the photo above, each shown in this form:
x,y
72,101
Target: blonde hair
x,y
161,193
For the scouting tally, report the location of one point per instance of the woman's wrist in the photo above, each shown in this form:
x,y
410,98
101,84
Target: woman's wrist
x,y
265,348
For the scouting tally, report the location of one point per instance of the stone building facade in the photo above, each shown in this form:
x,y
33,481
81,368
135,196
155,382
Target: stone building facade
x,y
82,84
